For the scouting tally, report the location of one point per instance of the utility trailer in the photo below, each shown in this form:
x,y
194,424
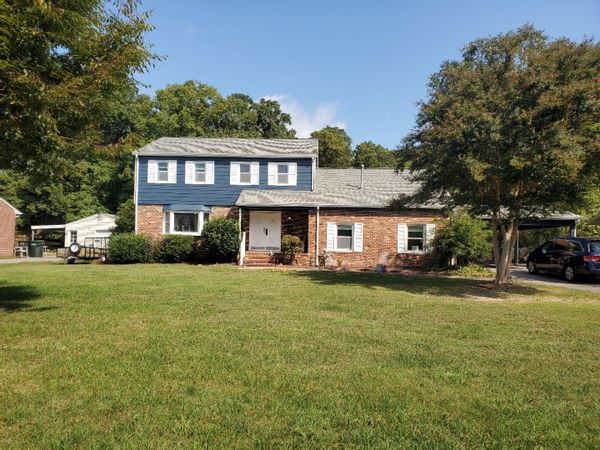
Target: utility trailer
x,y
93,248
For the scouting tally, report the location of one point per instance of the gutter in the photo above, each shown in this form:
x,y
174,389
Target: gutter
x,y
317,238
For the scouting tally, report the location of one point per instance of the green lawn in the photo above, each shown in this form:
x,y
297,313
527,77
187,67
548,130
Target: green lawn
x,y
217,357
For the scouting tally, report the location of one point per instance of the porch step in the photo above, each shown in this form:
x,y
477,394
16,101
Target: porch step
x,y
259,259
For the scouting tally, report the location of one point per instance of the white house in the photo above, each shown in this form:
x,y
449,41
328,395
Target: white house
x,y
92,230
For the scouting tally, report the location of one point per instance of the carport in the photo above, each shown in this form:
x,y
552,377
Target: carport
x,y
558,220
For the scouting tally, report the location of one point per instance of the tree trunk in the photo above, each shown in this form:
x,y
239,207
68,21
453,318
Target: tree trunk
x,y
504,254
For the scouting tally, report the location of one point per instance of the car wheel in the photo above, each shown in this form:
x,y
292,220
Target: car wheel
x,y
531,267
569,273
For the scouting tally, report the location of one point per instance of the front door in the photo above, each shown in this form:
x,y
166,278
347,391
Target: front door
x,y
265,230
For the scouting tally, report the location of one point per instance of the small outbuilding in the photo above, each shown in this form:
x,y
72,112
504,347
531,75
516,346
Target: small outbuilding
x,y
90,231
595,221
8,221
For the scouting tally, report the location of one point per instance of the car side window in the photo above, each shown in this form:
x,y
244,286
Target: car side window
x,y
560,245
575,246
547,246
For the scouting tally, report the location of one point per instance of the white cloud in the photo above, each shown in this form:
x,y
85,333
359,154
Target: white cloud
x,y
306,121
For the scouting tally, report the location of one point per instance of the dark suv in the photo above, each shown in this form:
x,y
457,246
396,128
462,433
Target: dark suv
x,y
572,257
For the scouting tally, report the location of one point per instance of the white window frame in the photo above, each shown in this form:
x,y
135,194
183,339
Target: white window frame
x,y
153,171
273,173
170,217
190,172
403,238
356,238
71,232
235,173
337,229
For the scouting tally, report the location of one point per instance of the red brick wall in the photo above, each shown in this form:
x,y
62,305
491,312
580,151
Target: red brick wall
x,y
7,229
150,220
379,236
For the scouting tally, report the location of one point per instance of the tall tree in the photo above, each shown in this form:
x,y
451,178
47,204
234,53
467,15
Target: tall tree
x,y
63,67
335,147
196,109
508,131
373,155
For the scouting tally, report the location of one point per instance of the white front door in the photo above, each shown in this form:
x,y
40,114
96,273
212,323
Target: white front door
x,y
265,230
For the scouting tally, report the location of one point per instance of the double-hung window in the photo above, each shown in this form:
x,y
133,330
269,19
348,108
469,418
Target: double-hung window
x,y
162,171
244,173
199,172
344,237
282,174
73,234
162,174
415,238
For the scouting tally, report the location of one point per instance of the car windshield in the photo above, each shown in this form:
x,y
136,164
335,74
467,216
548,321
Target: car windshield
x,y
594,246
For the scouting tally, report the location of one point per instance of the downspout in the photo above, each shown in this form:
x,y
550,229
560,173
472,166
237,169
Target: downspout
x,y
317,238
135,191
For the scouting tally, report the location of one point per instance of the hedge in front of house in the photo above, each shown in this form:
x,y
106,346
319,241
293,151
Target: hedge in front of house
x,y
129,248
174,249
220,240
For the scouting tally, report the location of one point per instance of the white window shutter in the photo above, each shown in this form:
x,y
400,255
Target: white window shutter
x,y
331,235
357,237
172,171
210,172
402,237
429,235
255,173
234,173
190,167
152,170
293,174
272,174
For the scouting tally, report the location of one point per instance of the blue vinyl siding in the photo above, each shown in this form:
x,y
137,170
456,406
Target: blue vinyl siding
x,y
219,194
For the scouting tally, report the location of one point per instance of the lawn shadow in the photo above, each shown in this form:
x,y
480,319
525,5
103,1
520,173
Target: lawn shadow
x,y
419,284
15,298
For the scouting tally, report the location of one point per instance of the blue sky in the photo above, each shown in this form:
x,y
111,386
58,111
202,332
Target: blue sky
x,y
360,65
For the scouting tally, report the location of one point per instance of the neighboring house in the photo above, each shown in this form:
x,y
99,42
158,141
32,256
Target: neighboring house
x,y
273,186
8,219
92,230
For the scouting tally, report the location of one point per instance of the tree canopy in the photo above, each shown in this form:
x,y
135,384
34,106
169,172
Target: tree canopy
x,y
373,155
335,147
509,130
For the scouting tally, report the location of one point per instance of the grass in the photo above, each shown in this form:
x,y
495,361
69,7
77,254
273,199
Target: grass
x,y
183,356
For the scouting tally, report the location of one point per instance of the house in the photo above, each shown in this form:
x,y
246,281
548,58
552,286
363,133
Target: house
x,y
92,230
8,219
274,187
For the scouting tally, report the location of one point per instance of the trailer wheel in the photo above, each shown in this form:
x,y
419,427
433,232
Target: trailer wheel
x,y
75,248
71,260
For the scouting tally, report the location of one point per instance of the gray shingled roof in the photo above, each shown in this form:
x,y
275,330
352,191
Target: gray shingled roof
x,y
338,188
278,148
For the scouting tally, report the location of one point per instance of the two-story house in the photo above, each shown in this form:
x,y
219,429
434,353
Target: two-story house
x,y
274,187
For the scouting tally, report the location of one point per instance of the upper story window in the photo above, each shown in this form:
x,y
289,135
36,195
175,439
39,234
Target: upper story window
x,y
283,174
199,172
244,173
162,171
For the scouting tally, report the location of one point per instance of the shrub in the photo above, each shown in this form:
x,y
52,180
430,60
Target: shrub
x,y
464,238
290,247
473,270
129,248
174,249
220,240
